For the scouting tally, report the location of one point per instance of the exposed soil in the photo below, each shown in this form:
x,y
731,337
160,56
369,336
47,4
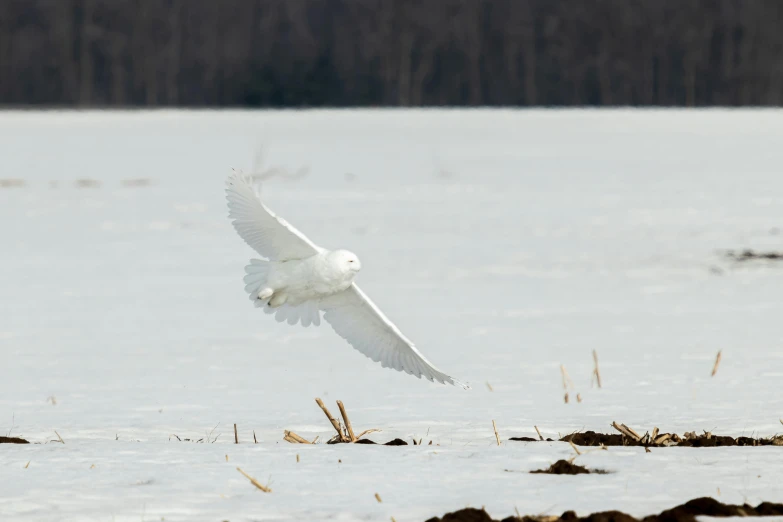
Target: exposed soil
x,y
464,515
591,438
563,467
13,440
702,441
683,513
394,442
750,255
689,440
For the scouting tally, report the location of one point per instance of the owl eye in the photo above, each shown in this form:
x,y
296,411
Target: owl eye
x,y
350,260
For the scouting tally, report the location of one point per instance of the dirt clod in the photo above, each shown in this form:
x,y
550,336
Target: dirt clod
x,y
396,442
687,512
591,438
688,440
464,515
13,440
393,442
563,467
709,506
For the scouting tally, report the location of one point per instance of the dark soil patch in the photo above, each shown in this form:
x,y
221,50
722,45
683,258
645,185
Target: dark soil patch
x,y
13,440
683,513
750,255
591,438
394,442
563,467
465,515
528,439
710,441
689,440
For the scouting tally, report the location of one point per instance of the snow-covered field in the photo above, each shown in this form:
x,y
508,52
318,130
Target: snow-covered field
x,y
504,243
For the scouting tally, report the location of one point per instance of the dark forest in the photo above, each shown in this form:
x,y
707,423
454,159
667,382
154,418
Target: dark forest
x,y
312,53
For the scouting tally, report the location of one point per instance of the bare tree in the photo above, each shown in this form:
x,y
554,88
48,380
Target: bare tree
x,y
380,52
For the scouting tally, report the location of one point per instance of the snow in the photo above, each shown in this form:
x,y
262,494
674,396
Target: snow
x,y
526,239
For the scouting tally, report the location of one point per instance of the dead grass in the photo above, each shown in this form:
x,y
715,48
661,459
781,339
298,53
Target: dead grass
x,y
265,489
344,434
208,439
717,363
596,371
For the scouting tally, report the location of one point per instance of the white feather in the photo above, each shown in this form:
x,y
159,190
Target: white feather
x,y
356,319
305,314
255,277
267,234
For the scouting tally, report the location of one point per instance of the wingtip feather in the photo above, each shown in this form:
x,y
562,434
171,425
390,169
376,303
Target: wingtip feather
x,y
461,384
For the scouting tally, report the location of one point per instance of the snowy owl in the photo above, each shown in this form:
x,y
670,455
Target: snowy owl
x,y
299,280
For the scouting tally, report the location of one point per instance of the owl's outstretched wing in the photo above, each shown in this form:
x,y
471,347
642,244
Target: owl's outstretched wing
x,y
356,319
268,234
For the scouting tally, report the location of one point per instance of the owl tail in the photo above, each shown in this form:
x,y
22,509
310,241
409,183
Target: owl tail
x,y
256,274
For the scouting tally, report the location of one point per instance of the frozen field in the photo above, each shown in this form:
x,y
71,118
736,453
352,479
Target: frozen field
x,y
504,243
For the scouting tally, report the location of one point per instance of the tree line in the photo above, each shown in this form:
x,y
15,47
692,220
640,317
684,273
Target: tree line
x,y
304,53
